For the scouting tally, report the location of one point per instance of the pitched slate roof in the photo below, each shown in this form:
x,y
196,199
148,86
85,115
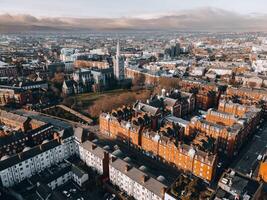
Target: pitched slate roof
x,y
137,175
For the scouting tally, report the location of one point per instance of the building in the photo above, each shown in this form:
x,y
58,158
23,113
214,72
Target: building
x,y
234,185
14,121
221,71
150,78
94,157
30,161
189,187
230,125
33,85
14,95
205,92
198,71
263,169
58,174
248,96
71,87
15,141
91,64
138,133
118,65
134,182
52,68
69,66
66,54
7,70
86,80
44,184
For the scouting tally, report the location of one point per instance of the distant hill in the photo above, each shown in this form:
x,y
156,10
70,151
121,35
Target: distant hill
x,y
205,19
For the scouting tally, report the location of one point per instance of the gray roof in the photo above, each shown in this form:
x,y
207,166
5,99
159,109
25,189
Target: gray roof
x,y
136,175
13,160
169,101
146,108
79,133
12,116
79,172
177,120
97,151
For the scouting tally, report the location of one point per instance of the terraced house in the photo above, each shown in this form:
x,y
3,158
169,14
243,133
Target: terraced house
x,y
230,125
153,128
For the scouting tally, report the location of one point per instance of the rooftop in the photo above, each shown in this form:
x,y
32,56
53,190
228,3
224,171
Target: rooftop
x,y
139,176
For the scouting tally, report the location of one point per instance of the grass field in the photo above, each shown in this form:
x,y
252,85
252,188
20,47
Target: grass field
x,y
91,104
88,99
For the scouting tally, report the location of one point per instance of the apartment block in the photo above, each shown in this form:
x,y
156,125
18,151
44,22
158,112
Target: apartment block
x,y
161,144
230,125
14,169
234,185
16,141
135,182
94,157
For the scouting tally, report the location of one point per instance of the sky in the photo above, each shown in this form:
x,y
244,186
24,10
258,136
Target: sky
x,y
125,8
204,15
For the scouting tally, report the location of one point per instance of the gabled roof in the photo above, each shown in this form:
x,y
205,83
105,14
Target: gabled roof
x,y
137,176
146,108
12,116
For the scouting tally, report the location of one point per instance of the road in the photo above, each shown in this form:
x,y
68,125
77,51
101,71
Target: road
x,y
247,159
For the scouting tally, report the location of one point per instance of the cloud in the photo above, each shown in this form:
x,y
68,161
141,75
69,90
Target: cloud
x,y
204,19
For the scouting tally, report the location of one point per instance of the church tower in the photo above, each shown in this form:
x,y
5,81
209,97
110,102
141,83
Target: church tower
x,y
118,64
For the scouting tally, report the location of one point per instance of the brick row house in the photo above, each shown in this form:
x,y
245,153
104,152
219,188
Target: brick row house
x,y
230,125
183,156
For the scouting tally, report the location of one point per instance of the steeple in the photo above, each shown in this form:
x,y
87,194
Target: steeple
x,y
118,49
118,66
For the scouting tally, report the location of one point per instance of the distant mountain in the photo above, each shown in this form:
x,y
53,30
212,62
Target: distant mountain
x,y
25,28
205,19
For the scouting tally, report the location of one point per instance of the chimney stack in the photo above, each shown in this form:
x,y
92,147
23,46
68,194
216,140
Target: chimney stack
x,y
113,158
144,178
127,168
93,146
163,191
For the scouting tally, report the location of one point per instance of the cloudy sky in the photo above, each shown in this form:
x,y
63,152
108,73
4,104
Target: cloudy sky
x,y
124,8
182,14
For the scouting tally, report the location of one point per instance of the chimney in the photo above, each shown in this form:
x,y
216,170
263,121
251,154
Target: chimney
x,y
163,190
93,146
113,158
163,92
144,178
127,168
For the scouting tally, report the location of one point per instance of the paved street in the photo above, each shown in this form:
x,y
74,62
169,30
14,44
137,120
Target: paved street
x,y
248,156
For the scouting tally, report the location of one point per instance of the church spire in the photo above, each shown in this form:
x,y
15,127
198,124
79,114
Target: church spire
x,y
118,49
